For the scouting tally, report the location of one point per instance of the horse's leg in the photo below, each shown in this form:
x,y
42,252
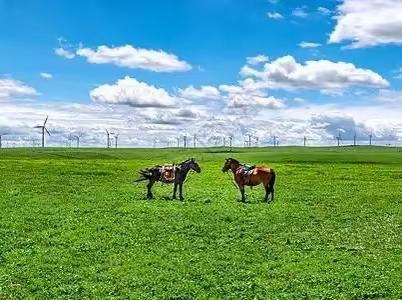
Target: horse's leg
x,y
174,190
267,192
149,187
243,197
272,194
181,191
269,189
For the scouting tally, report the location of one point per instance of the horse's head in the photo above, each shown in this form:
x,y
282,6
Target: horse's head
x,y
194,165
228,164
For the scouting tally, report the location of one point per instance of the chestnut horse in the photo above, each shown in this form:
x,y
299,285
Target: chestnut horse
x,y
257,175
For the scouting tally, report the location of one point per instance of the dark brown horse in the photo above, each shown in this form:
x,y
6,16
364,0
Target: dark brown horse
x,y
175,174
251,177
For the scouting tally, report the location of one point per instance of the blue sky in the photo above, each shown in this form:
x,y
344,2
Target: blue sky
x,y
208,43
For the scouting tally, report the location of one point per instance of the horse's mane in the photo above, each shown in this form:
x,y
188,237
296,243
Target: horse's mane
x,y
186,161
234,160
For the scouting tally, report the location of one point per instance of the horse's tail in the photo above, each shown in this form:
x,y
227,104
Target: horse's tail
x,y
144,175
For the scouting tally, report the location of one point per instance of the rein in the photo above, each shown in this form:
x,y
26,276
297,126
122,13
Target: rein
x,y
231,180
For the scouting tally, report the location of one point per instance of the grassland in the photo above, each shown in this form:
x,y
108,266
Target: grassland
x,y
73,225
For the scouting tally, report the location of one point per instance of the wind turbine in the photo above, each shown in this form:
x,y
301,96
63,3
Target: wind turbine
x,y
1,135
116,136
108,137
78,140
43,128
338,138
185,141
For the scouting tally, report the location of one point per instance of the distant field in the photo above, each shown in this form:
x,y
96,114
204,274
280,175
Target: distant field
x,y
73,225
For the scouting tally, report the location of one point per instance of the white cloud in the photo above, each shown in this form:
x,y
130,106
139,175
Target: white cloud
x,y
299,12
60,51
309,45
135,58
274,15
256,60
398,74
10,88
247,100
299,100
142,126
204,92
368,23
131,92
390,96
248,96
46,75
324,11
323,75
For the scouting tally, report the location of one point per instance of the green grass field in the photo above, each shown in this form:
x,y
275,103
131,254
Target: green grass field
x,y
73,225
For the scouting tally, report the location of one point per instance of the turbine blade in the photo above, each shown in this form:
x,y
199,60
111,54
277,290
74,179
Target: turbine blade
x,y
39,126
47,131
47,117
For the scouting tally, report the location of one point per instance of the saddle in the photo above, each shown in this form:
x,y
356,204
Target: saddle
x,y
246,170
168,173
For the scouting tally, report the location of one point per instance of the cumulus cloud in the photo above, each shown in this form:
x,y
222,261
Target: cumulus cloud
x,y
132,92
309,45
163,125
398,74
323,75
247,96
135,58
324,11
390,96
60,51
45,75
346,126
299,12
368,23
274,15
10,88
204,92
256,60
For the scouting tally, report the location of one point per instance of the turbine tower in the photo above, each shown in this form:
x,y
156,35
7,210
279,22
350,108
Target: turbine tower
x,y
1,135
43,128
338,138
116,137
108,138
77,137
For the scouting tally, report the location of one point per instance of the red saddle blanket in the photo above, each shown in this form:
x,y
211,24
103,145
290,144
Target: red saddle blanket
x,y
168,173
